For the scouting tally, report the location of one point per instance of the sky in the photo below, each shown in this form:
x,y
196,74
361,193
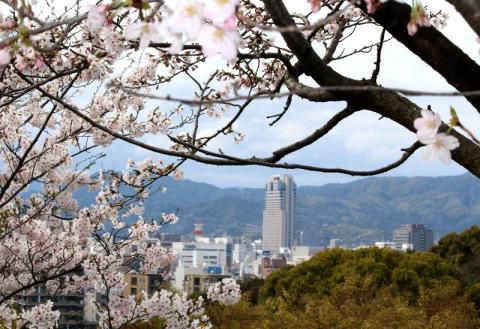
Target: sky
x,y
361,142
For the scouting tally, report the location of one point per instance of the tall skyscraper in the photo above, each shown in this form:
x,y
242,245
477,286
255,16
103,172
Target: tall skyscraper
x,y
416,235
279,218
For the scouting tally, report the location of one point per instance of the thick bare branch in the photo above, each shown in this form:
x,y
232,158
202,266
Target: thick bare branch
x,y
470,10
432,47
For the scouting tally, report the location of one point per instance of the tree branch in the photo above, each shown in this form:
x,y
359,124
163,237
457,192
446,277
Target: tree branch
x,y
432,47
470,10
386,103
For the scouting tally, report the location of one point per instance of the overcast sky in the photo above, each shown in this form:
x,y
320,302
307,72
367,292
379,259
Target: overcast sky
x,y
360,142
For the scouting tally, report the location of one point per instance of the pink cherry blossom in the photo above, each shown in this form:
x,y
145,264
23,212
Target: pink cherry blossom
x,y
178,174
8,24
39,63
439,147
231,22
5,57
220,10
96,18
216,40
315,5
186,18
427,126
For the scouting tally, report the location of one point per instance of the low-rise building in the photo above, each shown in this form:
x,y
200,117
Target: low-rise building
x,y
197,283
386,244
270,265
300,254
138,283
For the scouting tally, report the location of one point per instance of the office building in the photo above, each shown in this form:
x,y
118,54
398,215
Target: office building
x,y
279,218
417,235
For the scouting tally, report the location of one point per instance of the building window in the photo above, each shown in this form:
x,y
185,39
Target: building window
x,y
133,291
133,281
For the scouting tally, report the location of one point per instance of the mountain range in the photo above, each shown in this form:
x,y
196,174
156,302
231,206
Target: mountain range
x,y
362,211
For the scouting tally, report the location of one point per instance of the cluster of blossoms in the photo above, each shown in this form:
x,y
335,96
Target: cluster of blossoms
x,y
226,292
438,145
210,23
439,20
169,218
154,257
177,311
38,317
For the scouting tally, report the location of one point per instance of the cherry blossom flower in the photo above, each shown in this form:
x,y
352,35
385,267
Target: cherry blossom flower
x,y
220,10
439,147
332,27
39,63
418,17
217,40
427,126
178,174
147,32
5,57
238,138
186,18
231,22
96,18
351,13
315,5
8,24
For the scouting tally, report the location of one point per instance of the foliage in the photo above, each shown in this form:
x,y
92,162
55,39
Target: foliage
x,y
368,288
463,249
404,274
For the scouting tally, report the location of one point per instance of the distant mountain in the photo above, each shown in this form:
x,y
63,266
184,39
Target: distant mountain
x,y
358,212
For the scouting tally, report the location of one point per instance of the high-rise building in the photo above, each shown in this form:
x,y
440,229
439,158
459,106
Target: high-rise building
x,y
417,235
279,218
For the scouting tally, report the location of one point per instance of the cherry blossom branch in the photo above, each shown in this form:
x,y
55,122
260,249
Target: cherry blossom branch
x,y
229,160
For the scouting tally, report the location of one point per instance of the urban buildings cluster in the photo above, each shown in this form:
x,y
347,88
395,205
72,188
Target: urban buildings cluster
x,y
202,261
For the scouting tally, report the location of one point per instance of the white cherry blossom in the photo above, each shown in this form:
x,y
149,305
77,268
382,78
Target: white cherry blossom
x,y
147,32
427,126
439,147
220,10
217,40
96,18
226,292
186,18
